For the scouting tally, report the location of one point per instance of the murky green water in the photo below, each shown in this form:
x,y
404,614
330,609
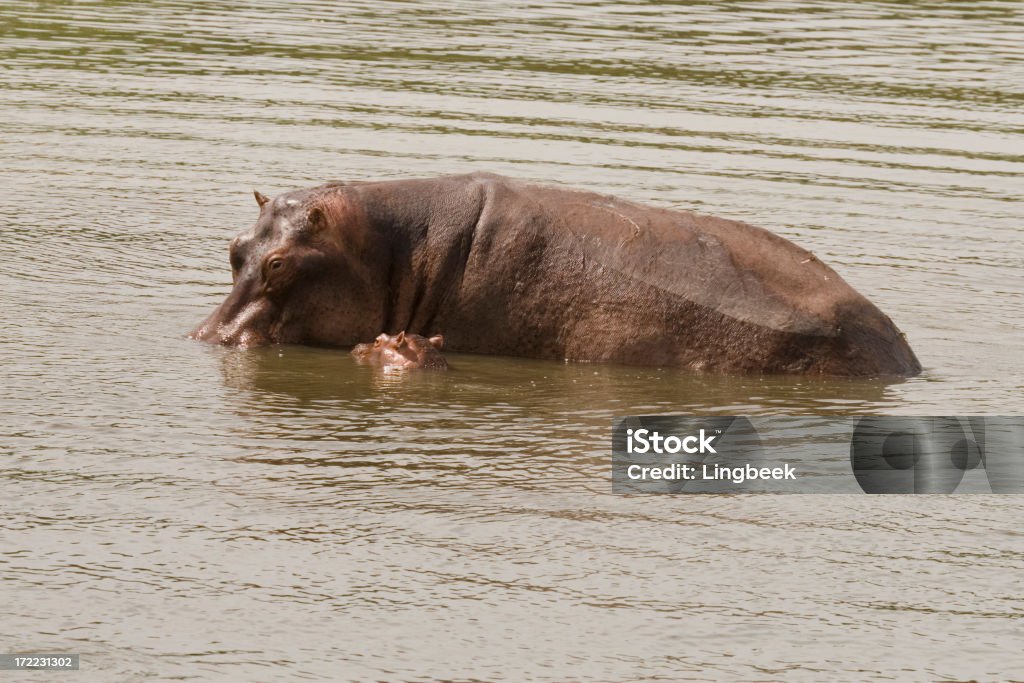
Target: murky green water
x,y
175,511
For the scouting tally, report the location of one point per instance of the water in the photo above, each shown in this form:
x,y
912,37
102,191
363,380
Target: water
x,y
171,510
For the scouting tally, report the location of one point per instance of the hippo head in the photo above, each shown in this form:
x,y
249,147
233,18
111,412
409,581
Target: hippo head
x,y
403,351
301,274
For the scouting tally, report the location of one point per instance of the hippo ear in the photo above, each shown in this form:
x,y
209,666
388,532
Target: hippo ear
x,y
437,341
400,339
316,218
261,198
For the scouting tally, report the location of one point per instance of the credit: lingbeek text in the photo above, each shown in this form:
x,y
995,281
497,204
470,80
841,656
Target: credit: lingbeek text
x,y
736,475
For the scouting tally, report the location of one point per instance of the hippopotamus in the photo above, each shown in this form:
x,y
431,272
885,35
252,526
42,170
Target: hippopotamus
x,y
403,351
509,267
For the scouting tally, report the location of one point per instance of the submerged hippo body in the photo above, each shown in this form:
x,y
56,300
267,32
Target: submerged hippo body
x,y
403,351
506,267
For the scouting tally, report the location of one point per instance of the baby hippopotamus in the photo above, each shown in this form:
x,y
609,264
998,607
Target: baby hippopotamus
x,y
403,351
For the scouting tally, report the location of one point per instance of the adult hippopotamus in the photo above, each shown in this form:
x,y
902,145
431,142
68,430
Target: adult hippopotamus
x,y
403,351
507,267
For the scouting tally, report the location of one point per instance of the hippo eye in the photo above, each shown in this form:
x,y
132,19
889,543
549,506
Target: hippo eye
x,y
275,263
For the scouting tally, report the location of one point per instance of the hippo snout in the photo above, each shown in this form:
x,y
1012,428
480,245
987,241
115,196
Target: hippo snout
x,y
239,321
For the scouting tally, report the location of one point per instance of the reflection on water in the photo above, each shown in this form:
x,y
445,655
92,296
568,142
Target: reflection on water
x,y
172,510
307,378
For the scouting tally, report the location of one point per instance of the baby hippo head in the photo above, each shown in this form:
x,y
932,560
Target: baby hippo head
x,y
403,351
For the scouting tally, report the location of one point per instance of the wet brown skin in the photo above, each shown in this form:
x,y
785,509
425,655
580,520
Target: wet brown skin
x,y
505,267
403,351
